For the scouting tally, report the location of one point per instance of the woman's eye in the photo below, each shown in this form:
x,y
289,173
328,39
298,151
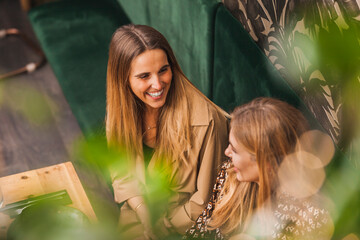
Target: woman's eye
x,y
163,70
143,76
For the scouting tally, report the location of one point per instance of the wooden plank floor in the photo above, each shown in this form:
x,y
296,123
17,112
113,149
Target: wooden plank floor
x,y
37,127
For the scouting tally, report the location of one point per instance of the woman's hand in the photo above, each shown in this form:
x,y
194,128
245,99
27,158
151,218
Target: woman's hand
x,y
144,216
138,205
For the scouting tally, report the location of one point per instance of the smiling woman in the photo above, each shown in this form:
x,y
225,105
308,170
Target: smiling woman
x,y
251,199
243,160
165,124
150,78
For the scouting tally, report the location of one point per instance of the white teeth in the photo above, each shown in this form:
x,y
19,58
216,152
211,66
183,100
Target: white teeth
x,y
156,94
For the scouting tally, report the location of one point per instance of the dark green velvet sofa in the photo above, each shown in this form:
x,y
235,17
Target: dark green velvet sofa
x,y
213,49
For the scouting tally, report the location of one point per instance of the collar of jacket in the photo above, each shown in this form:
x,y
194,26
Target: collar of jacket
x,y
199,108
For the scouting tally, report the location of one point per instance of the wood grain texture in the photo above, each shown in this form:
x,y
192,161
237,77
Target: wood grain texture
x,y
37,182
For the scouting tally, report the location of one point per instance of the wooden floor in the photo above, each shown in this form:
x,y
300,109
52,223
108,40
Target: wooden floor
x,y
37,127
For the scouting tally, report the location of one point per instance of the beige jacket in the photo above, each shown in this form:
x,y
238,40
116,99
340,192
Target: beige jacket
x,y
210,130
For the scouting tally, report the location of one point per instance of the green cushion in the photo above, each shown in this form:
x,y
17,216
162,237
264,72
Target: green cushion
x,y
188,26
75,36
241,70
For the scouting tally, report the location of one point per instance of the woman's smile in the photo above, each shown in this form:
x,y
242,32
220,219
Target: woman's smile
x,y
156,95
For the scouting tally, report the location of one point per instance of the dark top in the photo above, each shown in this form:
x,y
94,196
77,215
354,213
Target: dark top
x,y
148,153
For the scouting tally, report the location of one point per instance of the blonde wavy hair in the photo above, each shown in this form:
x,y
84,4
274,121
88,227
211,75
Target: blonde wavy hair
x,y
125,111
269,129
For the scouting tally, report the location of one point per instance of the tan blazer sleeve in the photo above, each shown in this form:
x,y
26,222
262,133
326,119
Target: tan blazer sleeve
x,y
126,184
210,157
125,188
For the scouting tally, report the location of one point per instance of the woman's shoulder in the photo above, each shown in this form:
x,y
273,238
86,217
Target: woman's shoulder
x,y
202,110
299,218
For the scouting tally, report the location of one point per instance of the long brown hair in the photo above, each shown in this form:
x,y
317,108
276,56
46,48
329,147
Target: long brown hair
x,y
268,128
125,110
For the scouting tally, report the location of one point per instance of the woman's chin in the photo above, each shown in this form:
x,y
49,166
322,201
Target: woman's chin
x,y
155,106
238,177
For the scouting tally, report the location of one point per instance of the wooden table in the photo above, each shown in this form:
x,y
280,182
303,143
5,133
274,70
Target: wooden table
x,y
41,181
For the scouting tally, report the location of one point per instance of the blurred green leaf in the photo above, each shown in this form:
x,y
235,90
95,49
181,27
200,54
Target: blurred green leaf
x,y
47,221
36,107
159,191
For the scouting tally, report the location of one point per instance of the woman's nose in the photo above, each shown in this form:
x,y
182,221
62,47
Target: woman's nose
x,y
227,151
156,84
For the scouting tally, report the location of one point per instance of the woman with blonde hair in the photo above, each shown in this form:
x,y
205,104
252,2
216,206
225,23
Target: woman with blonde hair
x,y
161,119
247,197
